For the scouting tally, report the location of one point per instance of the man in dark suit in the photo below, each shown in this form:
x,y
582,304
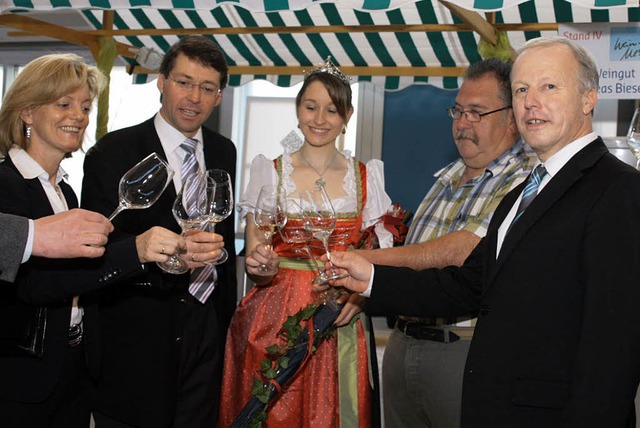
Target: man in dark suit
x,y
446,227
67,235
161,347
557,342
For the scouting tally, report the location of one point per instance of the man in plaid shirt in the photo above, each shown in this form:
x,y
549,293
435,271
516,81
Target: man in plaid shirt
x,y
424,359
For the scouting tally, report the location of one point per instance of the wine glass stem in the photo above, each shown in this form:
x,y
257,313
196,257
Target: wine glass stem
x,y
117,211
331,295
325,242
183,235
267,244
210,226
312,258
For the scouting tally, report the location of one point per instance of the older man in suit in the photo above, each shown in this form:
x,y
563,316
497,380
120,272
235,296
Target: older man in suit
x,y
162,346
557,342
74,233
424,358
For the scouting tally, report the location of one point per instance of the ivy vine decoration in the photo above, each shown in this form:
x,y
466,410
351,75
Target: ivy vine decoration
x,y
297,340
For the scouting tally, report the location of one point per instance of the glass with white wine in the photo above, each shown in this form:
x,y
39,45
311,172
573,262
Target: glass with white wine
x,y
270,215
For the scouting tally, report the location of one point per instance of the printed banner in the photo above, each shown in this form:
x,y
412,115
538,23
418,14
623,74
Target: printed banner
x,y
616,48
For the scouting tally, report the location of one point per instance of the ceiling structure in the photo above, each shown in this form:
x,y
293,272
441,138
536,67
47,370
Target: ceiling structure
x,y
394,43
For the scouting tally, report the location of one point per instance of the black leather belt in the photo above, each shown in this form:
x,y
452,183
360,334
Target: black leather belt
x,y
424,332
75,335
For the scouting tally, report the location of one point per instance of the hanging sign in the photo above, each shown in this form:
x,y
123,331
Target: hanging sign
x,y
616,48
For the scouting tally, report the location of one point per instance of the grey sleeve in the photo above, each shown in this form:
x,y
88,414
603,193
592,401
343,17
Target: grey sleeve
x,y
14,231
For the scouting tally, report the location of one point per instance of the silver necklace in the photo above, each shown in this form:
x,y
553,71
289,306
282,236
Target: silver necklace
x,y
320,182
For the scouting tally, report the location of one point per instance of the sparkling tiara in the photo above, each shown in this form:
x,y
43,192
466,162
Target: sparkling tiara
x,y
328,67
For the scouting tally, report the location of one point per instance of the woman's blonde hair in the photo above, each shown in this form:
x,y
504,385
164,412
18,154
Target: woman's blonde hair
x,y
43,81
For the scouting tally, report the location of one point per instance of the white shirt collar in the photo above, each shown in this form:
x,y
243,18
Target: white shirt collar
x,y
29,168
564,155
552,165
170,137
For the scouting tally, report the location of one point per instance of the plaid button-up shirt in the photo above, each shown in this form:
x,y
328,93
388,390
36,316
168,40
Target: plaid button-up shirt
x,y
448,208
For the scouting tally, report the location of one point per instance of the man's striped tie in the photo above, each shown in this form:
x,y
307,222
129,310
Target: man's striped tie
x,y
203,279
530,191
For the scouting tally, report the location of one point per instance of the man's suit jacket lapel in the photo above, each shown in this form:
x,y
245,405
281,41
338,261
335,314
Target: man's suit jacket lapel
x,y
208,148
571,172
213,158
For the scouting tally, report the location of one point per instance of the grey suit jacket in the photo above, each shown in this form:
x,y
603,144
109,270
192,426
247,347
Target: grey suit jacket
x,y
13,240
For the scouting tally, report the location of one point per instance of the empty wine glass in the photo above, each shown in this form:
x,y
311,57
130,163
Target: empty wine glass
x,y
189,210
142,185
270,215
319,217
219,204
633,136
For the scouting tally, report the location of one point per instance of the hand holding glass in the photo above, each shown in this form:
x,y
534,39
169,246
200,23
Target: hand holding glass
x,y
294,233
633,136
142,185
189,211
270,215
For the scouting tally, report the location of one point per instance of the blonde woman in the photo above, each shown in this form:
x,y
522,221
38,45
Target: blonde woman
x,y
45,329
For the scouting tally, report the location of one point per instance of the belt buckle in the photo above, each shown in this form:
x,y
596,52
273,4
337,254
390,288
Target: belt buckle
x,y
405,326
75,334
412,329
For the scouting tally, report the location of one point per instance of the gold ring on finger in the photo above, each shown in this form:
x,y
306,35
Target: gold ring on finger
x,y
162,250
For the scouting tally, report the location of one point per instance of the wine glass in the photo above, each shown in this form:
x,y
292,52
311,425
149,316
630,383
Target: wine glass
x,y
319,218
294,233
189,210
142,185
219,202
270,215
633,136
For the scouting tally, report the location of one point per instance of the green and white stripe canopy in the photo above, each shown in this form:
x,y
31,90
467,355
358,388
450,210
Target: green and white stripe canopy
x,y
393,43
276,5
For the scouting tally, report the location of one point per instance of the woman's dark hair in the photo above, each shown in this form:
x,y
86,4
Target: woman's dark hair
x,y
339,92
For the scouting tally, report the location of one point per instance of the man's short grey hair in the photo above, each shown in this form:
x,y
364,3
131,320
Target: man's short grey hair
x,y
589,77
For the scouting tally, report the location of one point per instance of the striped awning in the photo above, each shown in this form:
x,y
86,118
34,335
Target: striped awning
x,y
394,43
274,5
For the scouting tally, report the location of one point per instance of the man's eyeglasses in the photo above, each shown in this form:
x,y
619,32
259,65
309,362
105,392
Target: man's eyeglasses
x,y
472,115
187,85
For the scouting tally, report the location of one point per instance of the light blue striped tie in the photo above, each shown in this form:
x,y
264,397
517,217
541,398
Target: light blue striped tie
x,y
530,191
203,279
189,167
